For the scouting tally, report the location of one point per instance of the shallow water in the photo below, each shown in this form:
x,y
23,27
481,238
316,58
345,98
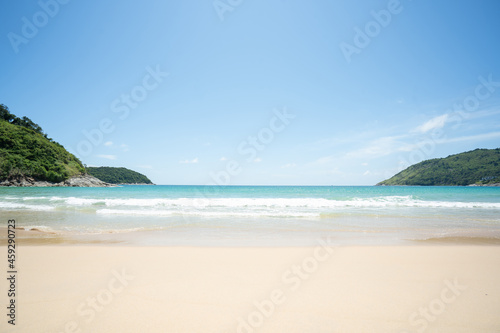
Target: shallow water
x,y
257,215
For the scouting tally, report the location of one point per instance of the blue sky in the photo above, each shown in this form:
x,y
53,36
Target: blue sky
x,y
256,91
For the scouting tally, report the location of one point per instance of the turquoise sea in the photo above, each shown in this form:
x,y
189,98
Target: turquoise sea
x,y
256,215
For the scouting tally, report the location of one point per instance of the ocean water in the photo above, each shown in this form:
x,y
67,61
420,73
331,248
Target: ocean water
x,y
256,215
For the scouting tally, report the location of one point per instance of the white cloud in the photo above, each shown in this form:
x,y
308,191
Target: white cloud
x,y
193,161
435,123
380,147
223,159
322,160
257,160
481,114
124,147
334,171
288,165
477,137
108,157
108,143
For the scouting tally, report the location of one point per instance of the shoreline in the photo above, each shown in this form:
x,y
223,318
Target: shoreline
x,y
291,289
147,238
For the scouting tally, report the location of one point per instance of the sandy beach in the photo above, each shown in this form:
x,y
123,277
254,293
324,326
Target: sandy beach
x,y
232,166
421,288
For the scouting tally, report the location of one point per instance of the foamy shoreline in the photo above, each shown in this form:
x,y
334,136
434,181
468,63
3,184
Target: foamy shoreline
x,y
359,215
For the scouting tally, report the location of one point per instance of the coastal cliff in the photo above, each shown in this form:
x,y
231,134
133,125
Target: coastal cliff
x,y
480,167
28,157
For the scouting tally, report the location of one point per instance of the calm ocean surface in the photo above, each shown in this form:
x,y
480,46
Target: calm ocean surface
x,y
257,215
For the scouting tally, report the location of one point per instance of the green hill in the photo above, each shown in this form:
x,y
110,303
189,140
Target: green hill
x,y
480,166
26,151
118,175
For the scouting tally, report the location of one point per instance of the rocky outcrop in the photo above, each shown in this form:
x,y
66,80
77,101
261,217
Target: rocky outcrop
x,y
77,181
86,181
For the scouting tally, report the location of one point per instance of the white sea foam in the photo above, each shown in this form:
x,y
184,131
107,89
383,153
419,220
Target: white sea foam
x,y
273,207
20,206
132,212
34,198
206,213
200,203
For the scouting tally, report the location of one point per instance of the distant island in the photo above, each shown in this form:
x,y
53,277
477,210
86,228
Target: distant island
x,y
119,176
28,157
480,167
